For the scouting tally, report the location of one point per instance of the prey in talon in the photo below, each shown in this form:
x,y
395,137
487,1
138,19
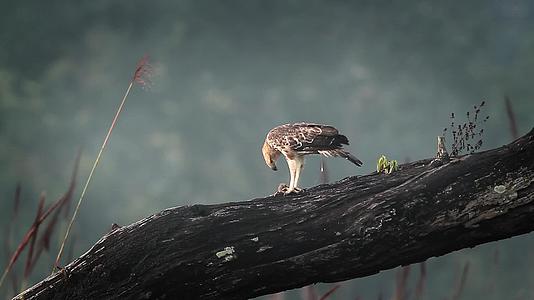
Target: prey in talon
x,y
283,187
294,141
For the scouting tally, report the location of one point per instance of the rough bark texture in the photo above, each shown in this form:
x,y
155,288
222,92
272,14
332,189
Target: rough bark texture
x,y
353,228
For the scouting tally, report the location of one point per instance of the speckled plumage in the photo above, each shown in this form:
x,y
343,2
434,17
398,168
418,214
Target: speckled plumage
x,y
295,141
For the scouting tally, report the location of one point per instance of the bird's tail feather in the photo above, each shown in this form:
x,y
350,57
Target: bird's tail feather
x,y
353,159
342,153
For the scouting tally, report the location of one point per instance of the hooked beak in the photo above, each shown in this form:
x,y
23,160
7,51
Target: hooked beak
x,y
274,168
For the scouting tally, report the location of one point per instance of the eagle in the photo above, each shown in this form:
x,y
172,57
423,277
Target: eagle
x,y
294,141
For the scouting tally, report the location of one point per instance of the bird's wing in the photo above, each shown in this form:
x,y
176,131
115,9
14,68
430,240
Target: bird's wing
x,y
305,137
309,138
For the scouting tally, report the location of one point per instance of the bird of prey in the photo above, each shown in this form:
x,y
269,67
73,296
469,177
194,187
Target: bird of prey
x,y
294,141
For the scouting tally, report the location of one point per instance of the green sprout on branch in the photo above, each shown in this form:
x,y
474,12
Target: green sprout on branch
x,y
386,166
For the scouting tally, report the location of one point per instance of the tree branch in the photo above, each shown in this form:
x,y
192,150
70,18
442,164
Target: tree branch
x,y
353,228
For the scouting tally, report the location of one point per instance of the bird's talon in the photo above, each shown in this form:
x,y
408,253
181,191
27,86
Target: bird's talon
x,y
295,190
282,188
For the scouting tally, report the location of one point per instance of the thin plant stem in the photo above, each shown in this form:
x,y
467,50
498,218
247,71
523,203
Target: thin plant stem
x,y
28,236
97,160
511,117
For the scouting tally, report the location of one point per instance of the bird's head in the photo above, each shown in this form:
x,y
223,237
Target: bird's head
x,y
270,155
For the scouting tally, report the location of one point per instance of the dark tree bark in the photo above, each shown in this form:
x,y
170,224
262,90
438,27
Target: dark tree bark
x,y
352,228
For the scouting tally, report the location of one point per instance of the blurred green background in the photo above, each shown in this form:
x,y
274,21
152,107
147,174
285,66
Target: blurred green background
x,y
387,74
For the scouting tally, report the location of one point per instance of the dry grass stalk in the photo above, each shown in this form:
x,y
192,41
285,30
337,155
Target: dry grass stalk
x,y
141,76
511,117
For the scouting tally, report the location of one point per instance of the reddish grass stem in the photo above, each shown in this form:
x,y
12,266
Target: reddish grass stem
x,y
401,283
9,229
421,282
330,292
34,236
461,284
308,293
28,236
511,117
31,235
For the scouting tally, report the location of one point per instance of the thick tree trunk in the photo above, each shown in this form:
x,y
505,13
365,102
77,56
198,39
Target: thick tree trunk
x,y
353,228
